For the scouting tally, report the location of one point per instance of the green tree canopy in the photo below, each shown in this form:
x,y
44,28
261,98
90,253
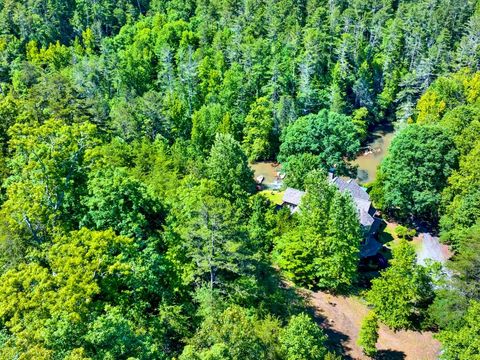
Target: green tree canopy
x,y
298,167
211,237
415,171
368,335
330,136
46,181
461,199
403,291
302,339
205,124
259,141
115,199
227,165
233,334
463,343
323,249
77,298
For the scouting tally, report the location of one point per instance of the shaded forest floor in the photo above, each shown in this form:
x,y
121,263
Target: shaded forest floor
x,y
341,318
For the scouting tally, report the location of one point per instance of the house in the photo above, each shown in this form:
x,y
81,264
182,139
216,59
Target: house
x,y
291,199
366,212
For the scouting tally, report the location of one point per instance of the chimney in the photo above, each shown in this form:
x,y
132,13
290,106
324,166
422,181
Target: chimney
x,y
331,176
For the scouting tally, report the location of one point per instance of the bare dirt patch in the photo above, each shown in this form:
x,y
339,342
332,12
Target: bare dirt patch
x,y
341,319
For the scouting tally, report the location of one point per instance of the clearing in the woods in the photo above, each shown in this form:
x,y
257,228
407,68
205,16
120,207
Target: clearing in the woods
x,y
341,318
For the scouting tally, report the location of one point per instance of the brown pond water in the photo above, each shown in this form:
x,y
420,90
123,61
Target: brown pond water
x,y
373,154
367,161
269,172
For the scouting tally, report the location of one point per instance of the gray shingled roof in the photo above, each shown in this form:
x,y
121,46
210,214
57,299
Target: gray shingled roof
x,y
351,186
365,218
360,198
359,195
293,196
362,205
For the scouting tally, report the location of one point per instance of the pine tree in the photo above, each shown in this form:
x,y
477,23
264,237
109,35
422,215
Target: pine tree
x,y
228,166
259,141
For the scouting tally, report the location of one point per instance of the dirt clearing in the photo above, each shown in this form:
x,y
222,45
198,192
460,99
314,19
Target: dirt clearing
x,y
341,318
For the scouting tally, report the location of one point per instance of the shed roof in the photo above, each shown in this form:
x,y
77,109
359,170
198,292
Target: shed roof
x,y
293,196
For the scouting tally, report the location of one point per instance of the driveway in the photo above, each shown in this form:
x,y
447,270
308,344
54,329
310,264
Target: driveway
x,y
431,248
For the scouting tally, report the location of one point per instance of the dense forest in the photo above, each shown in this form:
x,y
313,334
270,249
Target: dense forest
x,y
130,224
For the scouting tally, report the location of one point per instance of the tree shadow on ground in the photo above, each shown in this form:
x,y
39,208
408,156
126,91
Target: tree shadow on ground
x,y
383,236
419,224
424,226
336,341
390,355
377,130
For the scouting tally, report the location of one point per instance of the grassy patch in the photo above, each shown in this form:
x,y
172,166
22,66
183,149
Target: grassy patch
x,y
417,245
389,238
274,196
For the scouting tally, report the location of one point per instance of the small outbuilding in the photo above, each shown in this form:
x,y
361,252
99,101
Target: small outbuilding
x,y
292,198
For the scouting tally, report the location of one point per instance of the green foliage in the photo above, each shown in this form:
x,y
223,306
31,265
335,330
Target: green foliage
x,y
143,117
329,136
404,232
323,249
368,336
233,334
258,141
302,339
262,224
466,262
116,200
56,55
205,124
359,119
452,299
78,296
227,165
415,171
452,103
46,181
122,114
211,236
463,343
297,254
236,333
462,198
298,167
403,291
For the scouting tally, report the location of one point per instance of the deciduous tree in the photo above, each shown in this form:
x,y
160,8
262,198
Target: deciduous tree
x,y
368,336
403,291
415,171
329,136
